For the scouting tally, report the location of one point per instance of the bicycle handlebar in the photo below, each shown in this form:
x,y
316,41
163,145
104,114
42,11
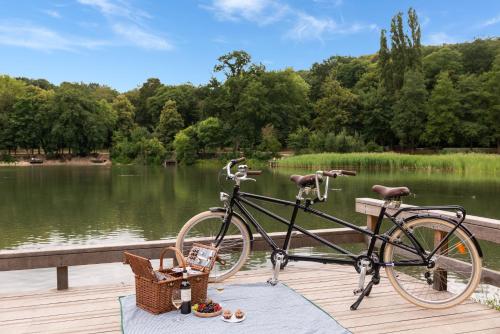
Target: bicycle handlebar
x,y
335,173
254,172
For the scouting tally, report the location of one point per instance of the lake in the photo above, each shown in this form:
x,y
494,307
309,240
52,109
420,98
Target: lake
x,y
45,206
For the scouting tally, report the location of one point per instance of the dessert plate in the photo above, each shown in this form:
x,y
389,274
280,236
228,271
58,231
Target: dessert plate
x,y
233,318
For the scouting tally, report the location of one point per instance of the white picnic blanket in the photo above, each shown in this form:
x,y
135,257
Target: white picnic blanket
x,y
269,309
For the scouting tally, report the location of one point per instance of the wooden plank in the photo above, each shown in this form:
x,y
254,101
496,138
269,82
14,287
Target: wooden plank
x,y
83,255
96,309
483,228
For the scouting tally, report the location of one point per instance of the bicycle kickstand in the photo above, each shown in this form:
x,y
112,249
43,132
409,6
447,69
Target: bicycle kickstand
x,y
366,290
277,265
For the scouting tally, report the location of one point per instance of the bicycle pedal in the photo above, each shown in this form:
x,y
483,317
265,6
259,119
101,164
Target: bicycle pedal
x,y
272,282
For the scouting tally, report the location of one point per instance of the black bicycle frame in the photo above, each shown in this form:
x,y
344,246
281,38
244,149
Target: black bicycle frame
x,y
240,199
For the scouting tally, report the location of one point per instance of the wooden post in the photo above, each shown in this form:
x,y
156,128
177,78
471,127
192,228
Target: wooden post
x,y
62,278
440,275
371,221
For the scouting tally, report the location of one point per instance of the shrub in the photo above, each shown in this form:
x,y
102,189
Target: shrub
x,y
317,142
343,143
299,140
270,142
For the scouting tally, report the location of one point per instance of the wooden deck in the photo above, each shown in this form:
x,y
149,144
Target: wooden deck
x,y
95,309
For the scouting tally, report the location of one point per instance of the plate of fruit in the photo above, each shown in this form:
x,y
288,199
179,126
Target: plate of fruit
x,y
207,310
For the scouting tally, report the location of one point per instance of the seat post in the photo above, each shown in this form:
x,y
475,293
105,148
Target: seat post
x,y
376,230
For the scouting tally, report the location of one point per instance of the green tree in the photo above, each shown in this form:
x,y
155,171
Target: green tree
x,y
10,91
399,50
443,107
384,63
492,88
414,44
409,110
335,108
170,123
270,142
210,133
143,116
444,59
83,124
31,119
186,146
185,97
234,64
125,113
474,101
478,56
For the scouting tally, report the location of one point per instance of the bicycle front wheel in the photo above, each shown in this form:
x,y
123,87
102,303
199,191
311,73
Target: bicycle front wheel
x,y
457,269
233,250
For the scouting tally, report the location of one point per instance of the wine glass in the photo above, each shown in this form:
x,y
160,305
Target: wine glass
x,y
177,302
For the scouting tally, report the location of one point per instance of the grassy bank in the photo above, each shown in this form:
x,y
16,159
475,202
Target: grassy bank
x,y
489,163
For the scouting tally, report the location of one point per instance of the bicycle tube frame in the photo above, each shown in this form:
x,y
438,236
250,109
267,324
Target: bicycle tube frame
x,y
239,199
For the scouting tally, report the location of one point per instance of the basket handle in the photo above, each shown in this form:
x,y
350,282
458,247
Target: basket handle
x,y
178,255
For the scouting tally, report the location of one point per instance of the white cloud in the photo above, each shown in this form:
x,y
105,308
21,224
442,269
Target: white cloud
x,y
261,12
492,21
118,8
439,38
308,27
55,14
264,12
127,23
41,38
141,38
334,3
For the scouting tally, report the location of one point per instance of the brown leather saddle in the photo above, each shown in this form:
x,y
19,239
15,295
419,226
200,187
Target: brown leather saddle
x,y
389,193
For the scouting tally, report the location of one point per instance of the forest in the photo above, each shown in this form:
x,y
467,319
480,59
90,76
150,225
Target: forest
x,y
403,97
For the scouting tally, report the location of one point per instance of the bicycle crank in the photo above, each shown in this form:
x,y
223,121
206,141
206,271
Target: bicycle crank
x,y
280,260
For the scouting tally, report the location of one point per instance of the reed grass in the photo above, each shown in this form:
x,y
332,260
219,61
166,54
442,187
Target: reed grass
x,y
489,163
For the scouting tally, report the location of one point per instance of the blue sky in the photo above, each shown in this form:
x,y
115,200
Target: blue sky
x,y
121,43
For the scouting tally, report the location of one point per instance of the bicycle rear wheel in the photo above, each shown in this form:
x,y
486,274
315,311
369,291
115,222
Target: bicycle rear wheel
x,y
233,250
457,269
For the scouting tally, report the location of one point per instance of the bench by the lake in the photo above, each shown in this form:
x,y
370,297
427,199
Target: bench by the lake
x,y
95,309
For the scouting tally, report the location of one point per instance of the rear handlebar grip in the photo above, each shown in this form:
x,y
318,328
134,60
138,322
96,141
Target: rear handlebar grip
x,y
348,172
254,172
330,174
235,161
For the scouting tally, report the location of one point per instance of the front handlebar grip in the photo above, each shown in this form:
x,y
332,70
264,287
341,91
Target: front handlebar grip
x,y
348,172
330,174
254,172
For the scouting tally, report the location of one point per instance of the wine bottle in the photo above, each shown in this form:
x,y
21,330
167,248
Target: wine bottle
x,y
185,293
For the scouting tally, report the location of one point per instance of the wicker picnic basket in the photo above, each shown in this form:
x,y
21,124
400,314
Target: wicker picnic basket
x,y
153,289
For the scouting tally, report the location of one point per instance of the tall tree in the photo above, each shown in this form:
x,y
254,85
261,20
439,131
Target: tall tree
x,y
443,107
170,123
399,50
415,46
143,115
409,110
125,113
384,63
